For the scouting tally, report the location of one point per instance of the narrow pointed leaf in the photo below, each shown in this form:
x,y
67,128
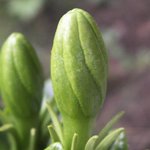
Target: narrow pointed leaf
x,y
32,139
91,143
53,134
55,146
45,118
108,127
12,142
56,122
106,143
120,143
6,127
74,145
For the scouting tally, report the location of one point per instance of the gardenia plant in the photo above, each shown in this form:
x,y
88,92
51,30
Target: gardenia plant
x,y
79,68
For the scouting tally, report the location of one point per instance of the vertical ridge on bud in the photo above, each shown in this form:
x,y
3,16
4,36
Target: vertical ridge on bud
x,y
96,31
77,70
94,57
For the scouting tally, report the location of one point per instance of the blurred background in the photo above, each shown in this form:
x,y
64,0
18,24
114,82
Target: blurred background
x,y
125,25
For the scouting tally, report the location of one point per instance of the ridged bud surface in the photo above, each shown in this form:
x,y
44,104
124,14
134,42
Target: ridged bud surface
x,y
21,77
78,65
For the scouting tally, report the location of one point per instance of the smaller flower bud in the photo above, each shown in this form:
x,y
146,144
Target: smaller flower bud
x,y
21,77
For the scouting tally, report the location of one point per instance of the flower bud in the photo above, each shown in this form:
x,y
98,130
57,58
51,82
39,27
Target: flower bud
x,y
21,77
79,74
79,65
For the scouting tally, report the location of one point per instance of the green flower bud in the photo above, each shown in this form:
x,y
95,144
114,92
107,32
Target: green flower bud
x,y
79,65
21,77
79,72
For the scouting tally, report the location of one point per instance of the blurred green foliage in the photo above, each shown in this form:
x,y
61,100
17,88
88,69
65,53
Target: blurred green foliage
x,y
28,16
25,9
28,9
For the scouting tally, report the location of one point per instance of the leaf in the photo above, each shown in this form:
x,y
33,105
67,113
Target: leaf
x,y
53,134
108,127
4,144
55,146
4,115
91,143
56,122
12,142
109,139
6,127
44,119
32,139
74,145
120,143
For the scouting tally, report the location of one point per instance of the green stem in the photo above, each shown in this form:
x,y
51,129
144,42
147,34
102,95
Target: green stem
x,y
82,126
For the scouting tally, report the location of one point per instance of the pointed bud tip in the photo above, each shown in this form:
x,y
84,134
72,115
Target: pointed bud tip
x,y
76,10
15,38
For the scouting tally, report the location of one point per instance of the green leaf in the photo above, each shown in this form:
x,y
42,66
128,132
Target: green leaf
x,y
4,145
108,127
109,139
32,139
6,127
12,142
55,146
74,145
120,143
53,134
45,120
91,143
56,123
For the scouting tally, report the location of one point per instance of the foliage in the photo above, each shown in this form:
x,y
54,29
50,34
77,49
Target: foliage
x,y
79,76
21,82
